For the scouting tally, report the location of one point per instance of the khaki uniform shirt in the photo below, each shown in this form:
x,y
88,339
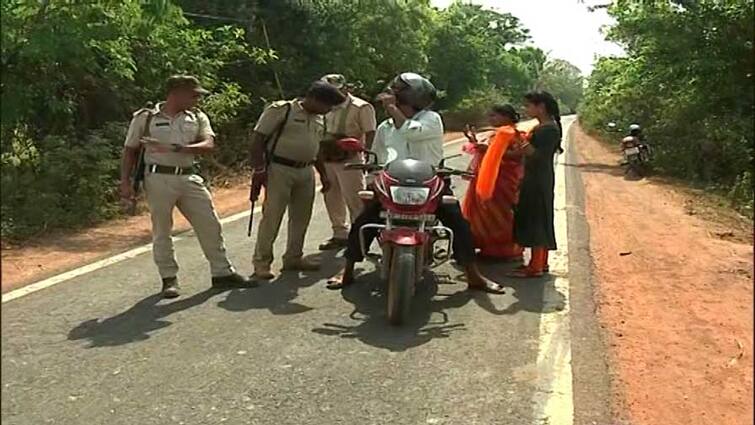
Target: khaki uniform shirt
x,y
302,133
184,128
353,118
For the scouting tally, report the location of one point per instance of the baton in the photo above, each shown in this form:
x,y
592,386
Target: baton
x,y
251,220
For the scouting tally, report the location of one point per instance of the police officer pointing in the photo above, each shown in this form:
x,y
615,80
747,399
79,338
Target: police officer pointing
x,y
172,134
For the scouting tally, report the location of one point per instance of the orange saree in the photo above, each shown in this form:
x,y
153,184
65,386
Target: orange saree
x,y
491,196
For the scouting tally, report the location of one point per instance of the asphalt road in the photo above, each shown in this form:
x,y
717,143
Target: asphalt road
x,y
103,349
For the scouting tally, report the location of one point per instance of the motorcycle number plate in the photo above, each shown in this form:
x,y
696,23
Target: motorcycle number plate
x,y
632,151
412,217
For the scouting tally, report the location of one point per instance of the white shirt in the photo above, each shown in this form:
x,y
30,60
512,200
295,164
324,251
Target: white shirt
x,y
420,138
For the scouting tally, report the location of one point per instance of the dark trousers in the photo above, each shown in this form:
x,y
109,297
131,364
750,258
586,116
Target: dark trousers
x,y
449,215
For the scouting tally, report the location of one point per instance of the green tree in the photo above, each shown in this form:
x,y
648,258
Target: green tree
x,y
564,81
472,48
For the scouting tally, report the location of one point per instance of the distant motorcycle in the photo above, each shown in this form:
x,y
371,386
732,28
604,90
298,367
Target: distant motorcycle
x,y
635,152
636,156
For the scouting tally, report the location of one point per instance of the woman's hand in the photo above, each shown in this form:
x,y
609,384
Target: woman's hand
x,y
470,134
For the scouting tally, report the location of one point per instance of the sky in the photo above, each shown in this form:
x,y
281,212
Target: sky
x,y
564,29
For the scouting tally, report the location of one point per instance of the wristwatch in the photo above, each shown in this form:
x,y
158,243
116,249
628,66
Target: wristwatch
x,y
177,147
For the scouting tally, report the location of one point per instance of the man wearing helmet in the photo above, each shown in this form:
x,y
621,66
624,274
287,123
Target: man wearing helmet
x,y
635,138
413,131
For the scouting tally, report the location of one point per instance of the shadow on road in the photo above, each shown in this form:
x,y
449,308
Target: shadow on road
x,y
278,295
368,298
529,294
147,315
614,170
428,318
136,323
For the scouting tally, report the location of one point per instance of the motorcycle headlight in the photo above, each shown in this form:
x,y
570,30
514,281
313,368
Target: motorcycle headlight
x,y
403,195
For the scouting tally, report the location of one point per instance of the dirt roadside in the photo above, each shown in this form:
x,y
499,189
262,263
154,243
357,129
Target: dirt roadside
x,y
673,277
58,252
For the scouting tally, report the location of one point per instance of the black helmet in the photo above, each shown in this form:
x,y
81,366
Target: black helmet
x,y
414,90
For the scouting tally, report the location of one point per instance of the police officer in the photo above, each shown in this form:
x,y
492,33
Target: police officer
x,y
355,118
172,134
285,145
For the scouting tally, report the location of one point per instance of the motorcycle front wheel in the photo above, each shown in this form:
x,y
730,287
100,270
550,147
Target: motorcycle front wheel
x,y
401,283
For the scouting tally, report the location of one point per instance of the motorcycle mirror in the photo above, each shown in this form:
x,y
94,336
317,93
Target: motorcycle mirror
x,y
350,144
443,161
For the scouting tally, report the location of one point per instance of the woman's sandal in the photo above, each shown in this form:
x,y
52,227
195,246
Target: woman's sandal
x,y
489,287
337,283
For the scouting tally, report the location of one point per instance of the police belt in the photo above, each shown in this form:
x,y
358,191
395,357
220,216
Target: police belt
x,y
165,169
291,163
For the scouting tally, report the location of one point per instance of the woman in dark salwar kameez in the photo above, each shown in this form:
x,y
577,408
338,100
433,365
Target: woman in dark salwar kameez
x,y
533,217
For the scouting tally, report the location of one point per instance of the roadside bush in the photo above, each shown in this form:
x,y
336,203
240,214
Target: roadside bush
x,y
230,112
72,74
59,182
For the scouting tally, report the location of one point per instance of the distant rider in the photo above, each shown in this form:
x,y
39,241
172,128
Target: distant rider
x,y
636,138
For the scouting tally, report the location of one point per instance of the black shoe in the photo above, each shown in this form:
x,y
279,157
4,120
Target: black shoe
x,y
232,281
334,243
170,287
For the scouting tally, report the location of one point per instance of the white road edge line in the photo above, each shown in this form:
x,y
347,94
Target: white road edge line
x,y
553,399
54,280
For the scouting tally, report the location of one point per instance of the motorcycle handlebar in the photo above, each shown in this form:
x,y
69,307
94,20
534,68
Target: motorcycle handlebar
x,y
452,172
370,168
365,167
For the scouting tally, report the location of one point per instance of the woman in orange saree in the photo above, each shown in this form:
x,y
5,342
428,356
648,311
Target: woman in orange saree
x,y
493,192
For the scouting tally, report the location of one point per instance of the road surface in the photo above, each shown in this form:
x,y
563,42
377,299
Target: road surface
x,y
102,348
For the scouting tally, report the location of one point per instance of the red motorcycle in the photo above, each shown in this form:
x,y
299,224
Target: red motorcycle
x,y
411,238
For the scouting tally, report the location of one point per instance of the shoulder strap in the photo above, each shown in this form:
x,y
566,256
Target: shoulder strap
x,y
342,122
278,131
147,124
149,108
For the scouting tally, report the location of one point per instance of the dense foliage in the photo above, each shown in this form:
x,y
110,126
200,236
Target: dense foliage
x,y
687,79
73,72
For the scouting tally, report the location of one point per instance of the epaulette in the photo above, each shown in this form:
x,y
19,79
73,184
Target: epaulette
x,y
148,107
279,104
359,102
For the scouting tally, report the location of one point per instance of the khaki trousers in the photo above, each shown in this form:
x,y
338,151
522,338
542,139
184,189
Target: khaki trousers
x,y
291,189
188,193
343,194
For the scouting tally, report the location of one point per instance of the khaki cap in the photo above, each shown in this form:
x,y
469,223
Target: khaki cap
x,y
185,82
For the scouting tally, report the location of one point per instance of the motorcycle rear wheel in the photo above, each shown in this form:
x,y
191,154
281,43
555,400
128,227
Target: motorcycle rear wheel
x,y
401,284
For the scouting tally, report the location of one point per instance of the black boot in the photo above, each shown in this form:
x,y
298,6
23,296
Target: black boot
x,y
232,281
